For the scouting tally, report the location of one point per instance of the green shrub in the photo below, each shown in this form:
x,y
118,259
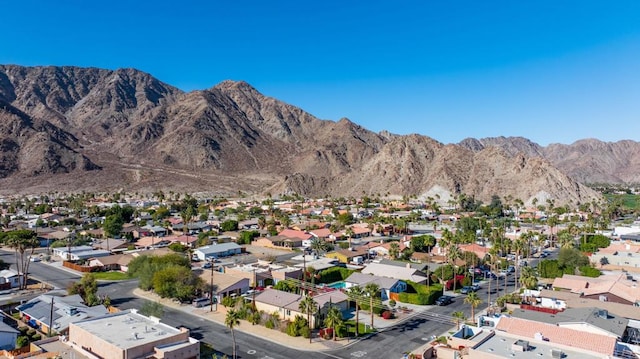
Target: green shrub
x,y
292,330
392,303
22,341
334,274
23,330
270,324
36,337
589,271
305,332
31,332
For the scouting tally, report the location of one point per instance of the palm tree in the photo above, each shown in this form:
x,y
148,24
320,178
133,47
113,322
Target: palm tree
x,y
394,250
318,246
333,319
518,247
528,278
459,315
232,320
473,300
24,243
308,305
349,232
372,290
453,254
355,293
566,239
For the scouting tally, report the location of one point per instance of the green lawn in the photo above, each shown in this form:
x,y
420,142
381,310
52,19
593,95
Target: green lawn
x,y
629,201
110,275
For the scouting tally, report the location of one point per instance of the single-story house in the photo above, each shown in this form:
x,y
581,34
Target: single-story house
x,y
345,255
387,285
193,228
150,231
392,271
66,310
9,279
215,251
111,244
189,241
278,241
287,305
224,284
152,242
8,336
116,262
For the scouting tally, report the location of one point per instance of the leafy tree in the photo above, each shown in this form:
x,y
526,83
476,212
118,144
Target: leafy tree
x,y
150,308
247,236
286,286
87,288
571,258
112,225
229,225
549,268
176,282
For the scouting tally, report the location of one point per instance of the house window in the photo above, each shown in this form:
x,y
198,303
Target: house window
x,y
288,312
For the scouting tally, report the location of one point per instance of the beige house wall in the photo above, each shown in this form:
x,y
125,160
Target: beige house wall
x,y
98,346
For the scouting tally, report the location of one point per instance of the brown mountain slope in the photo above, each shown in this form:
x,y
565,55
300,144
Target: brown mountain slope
x,y
587,161
138,133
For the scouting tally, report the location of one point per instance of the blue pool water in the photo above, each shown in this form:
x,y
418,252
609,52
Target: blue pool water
x,y
337,285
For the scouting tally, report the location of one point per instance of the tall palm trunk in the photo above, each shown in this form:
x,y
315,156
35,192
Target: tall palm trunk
x,y
371,308
357,318
233,336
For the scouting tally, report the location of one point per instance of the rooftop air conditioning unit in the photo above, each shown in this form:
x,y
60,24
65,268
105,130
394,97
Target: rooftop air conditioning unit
x,y
557,354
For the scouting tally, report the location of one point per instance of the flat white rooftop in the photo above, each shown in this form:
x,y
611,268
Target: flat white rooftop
x,y
500,345
128,329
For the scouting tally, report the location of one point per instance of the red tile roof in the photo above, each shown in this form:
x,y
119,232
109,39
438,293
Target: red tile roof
x,y
555,334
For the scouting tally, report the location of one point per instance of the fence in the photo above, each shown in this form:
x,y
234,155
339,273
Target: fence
x,y
79,268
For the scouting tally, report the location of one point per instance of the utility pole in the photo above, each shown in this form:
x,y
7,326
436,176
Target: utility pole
x,y
50,318
211,292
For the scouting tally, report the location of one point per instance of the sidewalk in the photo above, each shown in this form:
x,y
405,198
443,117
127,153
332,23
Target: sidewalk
x,y
276,336
259,331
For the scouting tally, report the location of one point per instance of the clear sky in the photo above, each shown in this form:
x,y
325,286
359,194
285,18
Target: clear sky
x,y
551,71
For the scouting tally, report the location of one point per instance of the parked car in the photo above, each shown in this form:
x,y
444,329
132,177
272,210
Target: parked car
x,y
491,275
503,273
207,265
201,302
35,259
466,289
444,300
511,269
475,287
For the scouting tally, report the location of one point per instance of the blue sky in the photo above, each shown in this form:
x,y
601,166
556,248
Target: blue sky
x,y
551,71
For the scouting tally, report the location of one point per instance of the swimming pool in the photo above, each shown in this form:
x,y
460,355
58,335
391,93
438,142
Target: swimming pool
x,y
337,285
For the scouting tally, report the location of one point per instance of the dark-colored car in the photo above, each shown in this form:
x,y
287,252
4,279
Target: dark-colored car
x,y
444,300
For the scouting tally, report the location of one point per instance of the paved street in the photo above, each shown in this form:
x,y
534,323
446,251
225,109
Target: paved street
x,y
389,343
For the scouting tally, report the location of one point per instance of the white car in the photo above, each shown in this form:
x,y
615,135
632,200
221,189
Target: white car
x,y
35,259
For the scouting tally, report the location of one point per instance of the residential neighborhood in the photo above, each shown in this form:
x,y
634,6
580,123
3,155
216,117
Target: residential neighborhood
x,y
325,273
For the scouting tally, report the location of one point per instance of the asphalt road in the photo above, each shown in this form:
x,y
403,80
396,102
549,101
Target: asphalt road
x,y
390,343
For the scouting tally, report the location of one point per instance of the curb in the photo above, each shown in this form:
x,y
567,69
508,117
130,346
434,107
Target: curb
x,y
137,293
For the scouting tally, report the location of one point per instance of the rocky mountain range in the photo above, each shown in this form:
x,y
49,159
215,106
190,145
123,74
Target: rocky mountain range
x,y
70,129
